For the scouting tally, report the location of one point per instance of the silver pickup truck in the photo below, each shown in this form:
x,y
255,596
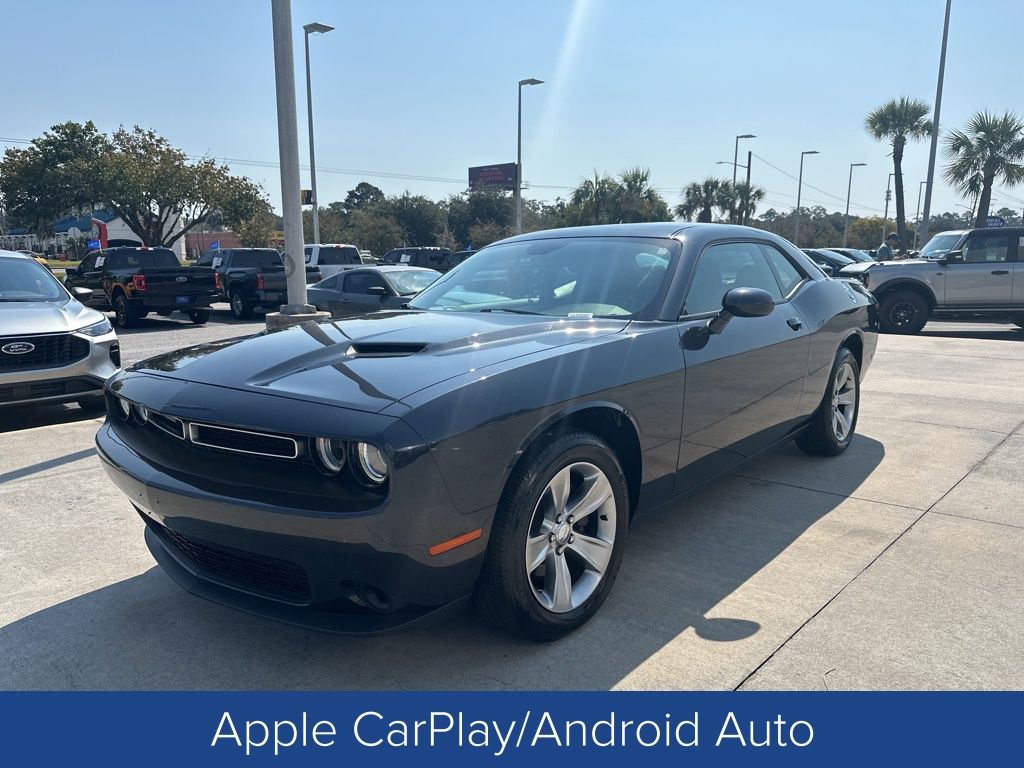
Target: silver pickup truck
x,y
976,274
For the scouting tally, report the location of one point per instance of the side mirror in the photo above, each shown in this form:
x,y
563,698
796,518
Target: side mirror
x,y
81,293
953,257
377,290
71,272
738,302
827,269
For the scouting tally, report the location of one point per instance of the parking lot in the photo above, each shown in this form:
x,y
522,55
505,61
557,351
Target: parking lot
x,y
896,565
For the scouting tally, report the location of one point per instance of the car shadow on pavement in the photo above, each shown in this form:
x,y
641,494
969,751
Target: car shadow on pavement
x,y
681,563
218,316
1009,333
14,418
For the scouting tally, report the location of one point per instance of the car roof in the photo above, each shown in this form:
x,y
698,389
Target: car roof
x,y
388,268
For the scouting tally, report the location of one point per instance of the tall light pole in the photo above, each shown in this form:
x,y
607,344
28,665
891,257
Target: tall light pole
x,y
917,229
736,153
849,186
888,196
309,29
935,129
288,149
519,154
799,186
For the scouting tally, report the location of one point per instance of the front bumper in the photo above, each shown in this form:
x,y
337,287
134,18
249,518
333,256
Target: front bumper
x,y
291,557
79,380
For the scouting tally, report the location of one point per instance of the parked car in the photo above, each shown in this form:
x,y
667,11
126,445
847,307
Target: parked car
x,y
134,281
828,258
35,257
497,437
853,253
332,258
440,259
366,256
967,274
53,349
369,289
251,277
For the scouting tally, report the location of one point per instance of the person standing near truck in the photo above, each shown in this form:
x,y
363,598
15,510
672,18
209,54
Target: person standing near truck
x,y
887,250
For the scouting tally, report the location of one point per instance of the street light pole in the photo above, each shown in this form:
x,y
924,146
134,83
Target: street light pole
x,y
736,153
935,129
849,186
288,149
519,153
313,28
917,229
799,187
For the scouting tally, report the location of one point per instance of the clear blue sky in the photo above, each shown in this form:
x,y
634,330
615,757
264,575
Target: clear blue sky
x,y
429,88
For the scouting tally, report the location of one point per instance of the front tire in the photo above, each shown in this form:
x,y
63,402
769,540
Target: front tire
x,y
834,422
557,539
904,312
199,316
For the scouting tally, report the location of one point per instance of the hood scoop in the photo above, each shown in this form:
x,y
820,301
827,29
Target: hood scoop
x,y
383,349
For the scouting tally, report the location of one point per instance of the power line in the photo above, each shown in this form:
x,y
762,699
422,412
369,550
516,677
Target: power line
x,y
816,189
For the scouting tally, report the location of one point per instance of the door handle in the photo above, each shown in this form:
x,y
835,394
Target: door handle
x,y
795,323
1000,271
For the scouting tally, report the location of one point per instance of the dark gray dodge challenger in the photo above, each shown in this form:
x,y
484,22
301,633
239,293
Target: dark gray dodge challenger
x,y
493,440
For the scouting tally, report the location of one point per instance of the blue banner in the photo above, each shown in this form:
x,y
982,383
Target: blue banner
x,y
520,728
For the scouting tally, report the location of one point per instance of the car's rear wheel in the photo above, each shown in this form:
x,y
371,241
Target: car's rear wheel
x,y
557,539
199,316
834,422
240,308
125,315
903,312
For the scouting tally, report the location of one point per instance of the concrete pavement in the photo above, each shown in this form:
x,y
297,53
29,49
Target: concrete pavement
x,y
896,565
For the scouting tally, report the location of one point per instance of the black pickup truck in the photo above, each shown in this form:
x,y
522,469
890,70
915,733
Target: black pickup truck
x,y
251,277
136,281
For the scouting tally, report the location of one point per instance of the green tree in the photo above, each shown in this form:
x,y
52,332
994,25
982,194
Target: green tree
x,y
742,198
898,121
990,148
362,197
637,199
487,232
701,198
257,231
54,176
420,218
377,234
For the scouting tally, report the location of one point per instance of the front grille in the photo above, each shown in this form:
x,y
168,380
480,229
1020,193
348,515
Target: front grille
x,y
51,351
243,441
268,576
41,389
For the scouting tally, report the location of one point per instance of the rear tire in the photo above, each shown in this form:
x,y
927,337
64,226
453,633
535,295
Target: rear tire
x,y
835,421
125,315
240,308
557,538
199,316
903,312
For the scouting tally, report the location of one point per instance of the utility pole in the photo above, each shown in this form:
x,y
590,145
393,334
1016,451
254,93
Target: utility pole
x,y
799,187
935,129
917,229
308,29
849,186
288,148
736,153
888,197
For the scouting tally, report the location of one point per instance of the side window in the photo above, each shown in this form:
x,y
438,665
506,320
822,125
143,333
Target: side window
x,y
358,282
308,251
206,260
435,260
116,261
786,272
721,268
89,262
986,249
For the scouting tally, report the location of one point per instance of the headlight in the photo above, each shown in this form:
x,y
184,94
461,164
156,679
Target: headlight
x,y
372,463
330,454
101,328
123,407
141,413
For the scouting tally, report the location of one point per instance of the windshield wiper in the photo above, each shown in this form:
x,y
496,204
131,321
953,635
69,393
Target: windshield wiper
x,y
511,311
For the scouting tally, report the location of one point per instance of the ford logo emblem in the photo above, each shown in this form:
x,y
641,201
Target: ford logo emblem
x,y
18,348
181,279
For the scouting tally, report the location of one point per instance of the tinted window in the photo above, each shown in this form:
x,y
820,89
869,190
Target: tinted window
x,y
206,260
308,252
158,257
358,282
986,249
788,275
87,262
338,255
262,258
392,257
724,267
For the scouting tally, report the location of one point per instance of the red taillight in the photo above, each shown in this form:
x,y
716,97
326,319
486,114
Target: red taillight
x,y
216,280
259,281
139,281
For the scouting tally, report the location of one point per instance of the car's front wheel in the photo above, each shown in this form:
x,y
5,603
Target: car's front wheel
x,y
199,316
834,422
903,312
557,539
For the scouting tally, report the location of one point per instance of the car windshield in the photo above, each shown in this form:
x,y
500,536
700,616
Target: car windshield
x,y
840,258
407,283
588,276
938,246
25,280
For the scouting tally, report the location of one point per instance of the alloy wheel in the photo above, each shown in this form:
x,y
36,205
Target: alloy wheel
x,y
903,314
844,401
571,537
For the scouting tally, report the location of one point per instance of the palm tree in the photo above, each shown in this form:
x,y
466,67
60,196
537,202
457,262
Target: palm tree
x,y
701,197
593,200
638,200
990,147
897,121
743,201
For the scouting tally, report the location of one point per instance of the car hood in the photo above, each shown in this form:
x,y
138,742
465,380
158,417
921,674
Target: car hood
x,y
24,318
864,266
368,363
